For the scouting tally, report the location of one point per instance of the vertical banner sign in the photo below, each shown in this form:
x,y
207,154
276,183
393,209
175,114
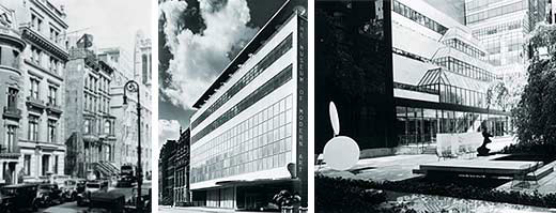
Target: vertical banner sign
x,y
302,113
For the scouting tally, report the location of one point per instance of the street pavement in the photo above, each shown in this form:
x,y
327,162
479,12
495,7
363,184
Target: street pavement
x,y
71,207
169,209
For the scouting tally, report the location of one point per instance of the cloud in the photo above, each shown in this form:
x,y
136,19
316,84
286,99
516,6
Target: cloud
x,y
168,130
199,58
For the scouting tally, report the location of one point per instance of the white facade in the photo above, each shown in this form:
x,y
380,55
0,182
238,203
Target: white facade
x,y
41,137
259,142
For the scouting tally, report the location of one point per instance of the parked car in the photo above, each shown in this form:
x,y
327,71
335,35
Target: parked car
x,y
131,203
49,194
91,187
69,190
60,179
107,202
19,197
81,185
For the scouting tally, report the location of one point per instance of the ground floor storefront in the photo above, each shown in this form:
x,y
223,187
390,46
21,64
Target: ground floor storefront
x,y
248,197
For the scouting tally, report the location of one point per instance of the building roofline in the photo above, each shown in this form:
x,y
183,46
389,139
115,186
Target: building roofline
x,y
285,12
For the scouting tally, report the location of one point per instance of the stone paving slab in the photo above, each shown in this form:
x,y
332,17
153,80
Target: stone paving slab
x,y
430,203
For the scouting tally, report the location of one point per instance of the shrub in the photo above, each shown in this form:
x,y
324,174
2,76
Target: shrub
x,y
349,191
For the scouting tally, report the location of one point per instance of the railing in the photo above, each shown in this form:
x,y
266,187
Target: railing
x,y
12,112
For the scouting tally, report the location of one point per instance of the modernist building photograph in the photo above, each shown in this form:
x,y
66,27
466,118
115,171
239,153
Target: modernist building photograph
x,y
438,96
63,76
246,127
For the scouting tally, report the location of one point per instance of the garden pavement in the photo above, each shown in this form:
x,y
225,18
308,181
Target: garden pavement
x,y
397,167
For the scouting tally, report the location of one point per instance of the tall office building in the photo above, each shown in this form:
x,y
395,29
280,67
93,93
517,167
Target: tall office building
x,y
249,134
440,75
41,137
353,59
502,27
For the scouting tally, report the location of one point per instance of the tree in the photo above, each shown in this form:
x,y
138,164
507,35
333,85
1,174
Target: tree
x,y
534,116
497,96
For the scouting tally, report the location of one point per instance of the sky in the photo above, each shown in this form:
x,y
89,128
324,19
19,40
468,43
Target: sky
x,y
197,39
112,23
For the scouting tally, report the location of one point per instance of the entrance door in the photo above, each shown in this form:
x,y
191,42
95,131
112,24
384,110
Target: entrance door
x,y
45,164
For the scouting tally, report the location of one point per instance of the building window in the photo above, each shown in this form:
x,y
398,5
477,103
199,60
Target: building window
x,y
36,55
54,35
108,128
36,22
27,164
35,88
12,98
11,137
52,96
87,127
33,128
52,131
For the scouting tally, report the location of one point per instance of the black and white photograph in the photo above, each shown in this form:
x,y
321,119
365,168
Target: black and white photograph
x,y
434,106
233,106
76,125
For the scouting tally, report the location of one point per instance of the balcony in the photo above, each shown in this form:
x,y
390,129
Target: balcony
x,y
53,109
35,103
12,112
11,152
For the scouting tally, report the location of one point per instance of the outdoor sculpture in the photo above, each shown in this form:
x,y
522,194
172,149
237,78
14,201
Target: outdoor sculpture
x,y
483,150
341,152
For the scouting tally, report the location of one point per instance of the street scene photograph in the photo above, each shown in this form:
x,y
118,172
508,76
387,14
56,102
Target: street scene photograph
x,y
75,81
435,106
233,106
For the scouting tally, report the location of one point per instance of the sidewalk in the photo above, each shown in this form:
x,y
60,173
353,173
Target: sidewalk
x,y
191,209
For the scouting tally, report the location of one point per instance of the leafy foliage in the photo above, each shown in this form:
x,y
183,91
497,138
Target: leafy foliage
x,y
498,96
348,193
534,116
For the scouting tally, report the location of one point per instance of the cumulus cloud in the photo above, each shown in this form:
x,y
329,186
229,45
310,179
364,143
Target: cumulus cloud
x,y
168,130
199,58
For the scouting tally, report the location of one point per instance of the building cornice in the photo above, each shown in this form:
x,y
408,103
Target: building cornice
x,y
36,38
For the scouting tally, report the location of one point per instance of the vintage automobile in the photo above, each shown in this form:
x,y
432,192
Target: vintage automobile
x,y
18,197
100,202
107,202
49,194
59,179
91,187
131,203
81,185
69,190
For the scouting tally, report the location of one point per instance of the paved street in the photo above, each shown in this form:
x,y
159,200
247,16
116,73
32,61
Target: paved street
x,y
169,209
71,207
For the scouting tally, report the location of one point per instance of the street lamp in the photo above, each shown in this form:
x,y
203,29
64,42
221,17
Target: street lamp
x,y
133,86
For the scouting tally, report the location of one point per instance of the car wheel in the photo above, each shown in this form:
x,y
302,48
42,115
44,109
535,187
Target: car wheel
x,y
35,206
